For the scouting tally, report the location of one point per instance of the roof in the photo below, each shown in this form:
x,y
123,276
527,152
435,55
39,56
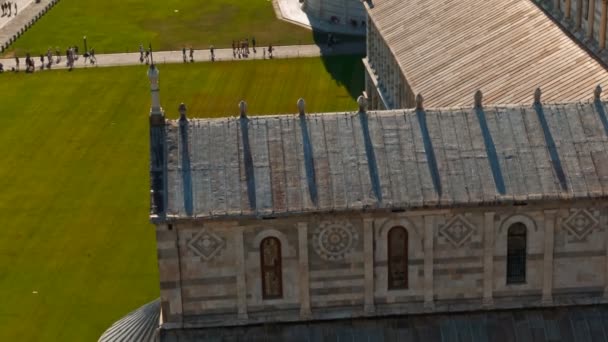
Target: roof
x,y
449,49
564,324
139,325
400,159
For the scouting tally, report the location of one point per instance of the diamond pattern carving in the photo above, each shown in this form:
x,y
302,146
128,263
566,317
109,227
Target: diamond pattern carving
x,y
206,245
457,230
580,224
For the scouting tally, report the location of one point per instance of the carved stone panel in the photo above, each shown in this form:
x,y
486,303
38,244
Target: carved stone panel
x,y
333,240
580,224
206,244
457,230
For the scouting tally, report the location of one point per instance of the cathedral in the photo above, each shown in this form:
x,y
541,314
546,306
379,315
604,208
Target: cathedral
x,y
471,208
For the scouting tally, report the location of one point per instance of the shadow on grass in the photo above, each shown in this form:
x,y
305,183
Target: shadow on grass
x,y
346,69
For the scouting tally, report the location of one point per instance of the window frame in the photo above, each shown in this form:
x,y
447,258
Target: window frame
x,y
516,255
277,269
405,259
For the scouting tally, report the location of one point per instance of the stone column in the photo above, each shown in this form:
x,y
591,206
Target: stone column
x,y
606,262
303,271
241,271
368,255
568,9
548,256
167,243
591,19
488,259
603,25
428,262
556,4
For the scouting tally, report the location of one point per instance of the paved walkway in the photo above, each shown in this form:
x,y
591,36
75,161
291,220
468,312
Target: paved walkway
x,y
21,4
162,57
28,12
291,11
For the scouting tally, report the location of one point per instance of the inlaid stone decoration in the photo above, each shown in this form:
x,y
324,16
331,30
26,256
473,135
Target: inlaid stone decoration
x,y
333,240
457,230
206,245
580,223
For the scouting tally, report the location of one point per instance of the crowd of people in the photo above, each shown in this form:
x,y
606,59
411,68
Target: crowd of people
x,y
7,8
240,49
47,60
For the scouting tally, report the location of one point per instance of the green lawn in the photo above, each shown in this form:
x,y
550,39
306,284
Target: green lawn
x,y
121,25
74,179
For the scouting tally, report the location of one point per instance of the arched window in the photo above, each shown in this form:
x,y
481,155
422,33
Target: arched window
x,y
397,258
270,261
516,254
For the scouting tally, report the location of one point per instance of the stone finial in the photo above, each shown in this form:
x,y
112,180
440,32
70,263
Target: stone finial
x,y
419,102
243,108
597,93
182,112
362,102
478,99
537,94
301,106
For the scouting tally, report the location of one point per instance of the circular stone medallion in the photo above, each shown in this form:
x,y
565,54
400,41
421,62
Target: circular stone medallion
x,y
334,239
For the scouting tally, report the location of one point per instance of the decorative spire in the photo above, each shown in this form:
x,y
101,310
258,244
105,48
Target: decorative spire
x,y
597,93
537,94
243,109
478,99
362,102
154,91
182,113
301,106
419,102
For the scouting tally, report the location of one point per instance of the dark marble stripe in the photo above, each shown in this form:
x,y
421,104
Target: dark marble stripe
x,y
209,281
371,157
248,162
430,152
309,162
337,290
581,254
491,151
557,164
186,169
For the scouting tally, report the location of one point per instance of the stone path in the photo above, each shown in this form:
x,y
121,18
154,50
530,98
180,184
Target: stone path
x,y
161,57
28,12
21,5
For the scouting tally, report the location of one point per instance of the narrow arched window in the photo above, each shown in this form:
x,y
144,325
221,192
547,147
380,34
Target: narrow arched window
x,y
270,261
516,254
397,258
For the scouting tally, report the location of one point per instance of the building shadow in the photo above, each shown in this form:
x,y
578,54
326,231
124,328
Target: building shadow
x,y
341,52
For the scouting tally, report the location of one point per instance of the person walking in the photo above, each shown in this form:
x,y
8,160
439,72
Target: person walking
x,y
212,51
253,44
41,62
16,63
141,53
191,54
184,54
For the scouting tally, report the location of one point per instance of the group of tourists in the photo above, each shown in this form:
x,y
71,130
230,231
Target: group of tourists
x,y
7,8
191,53
144,54
48,59
241,48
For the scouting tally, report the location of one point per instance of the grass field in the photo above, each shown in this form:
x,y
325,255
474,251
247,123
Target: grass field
x,y
121,25
74,179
